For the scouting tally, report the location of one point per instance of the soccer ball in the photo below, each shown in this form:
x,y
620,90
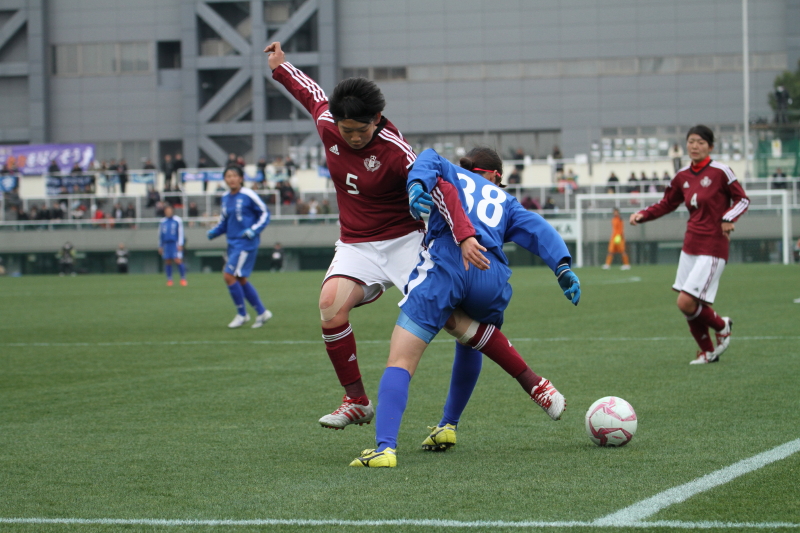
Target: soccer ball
x,y
611,421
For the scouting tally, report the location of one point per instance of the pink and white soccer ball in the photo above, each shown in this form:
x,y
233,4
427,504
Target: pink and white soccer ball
x,y
611,421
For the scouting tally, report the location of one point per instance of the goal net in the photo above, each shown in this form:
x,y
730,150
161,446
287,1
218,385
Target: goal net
x,y
762,234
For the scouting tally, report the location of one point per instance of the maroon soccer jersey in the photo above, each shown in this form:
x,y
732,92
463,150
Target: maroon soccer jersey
x,y
713,196
370,182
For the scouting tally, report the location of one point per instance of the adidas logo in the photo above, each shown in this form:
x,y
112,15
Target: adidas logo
x,y
352,358
334,149
685,184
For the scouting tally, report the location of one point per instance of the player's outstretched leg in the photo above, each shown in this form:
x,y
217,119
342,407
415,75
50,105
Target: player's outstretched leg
x,y
466,370
498,348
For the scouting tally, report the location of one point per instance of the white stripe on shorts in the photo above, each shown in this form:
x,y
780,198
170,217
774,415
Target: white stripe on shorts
x,y
240,264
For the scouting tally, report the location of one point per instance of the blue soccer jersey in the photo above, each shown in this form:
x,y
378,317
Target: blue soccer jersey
x,y
240,212
469,205
170,231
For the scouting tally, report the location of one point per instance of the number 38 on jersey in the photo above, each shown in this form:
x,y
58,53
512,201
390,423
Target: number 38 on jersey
x,y
490,203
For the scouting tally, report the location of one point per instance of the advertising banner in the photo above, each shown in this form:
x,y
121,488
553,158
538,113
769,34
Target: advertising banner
x,y
34,159
69,184
8,183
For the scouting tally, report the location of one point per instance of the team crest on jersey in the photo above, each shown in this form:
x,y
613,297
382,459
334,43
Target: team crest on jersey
x,y
334,149
706,181
372,163
685,184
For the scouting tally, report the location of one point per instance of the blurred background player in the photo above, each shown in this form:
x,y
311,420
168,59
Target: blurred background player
x,y
66,259
616,245
715,200
122,258
474,216
243,216
379,241
170,244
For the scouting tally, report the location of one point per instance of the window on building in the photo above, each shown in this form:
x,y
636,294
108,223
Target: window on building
x,y
135,57
65,59
100,59
169,55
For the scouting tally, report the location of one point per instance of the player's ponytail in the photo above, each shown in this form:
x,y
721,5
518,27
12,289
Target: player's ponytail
x,y
483,159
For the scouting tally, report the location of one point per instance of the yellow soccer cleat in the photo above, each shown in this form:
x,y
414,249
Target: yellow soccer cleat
x,y
375,459
440,439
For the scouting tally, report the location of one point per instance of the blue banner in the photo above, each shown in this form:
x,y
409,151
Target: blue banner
x,y
323,172
70,184
202,175
8,183
144,176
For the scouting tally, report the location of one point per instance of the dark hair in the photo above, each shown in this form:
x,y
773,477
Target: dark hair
x,y
358,99
704,132
483,157
235,168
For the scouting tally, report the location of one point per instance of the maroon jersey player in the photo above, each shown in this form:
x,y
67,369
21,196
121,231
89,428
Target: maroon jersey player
x,y
380,240
715,200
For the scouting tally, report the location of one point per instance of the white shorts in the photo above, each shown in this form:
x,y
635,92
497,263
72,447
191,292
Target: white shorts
x,y
377,265
699,276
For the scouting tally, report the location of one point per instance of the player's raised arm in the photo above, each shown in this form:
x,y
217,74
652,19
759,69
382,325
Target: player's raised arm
x,y
304,89
276,55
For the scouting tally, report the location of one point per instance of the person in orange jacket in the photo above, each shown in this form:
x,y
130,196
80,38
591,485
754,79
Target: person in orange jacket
x,y
616,245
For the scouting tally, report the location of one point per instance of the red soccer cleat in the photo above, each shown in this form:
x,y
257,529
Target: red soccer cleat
x,y
169,283
183,283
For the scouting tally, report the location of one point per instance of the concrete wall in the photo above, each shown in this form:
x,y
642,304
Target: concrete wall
x,y
474,35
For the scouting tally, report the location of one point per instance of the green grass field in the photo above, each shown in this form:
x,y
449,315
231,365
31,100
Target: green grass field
x,y
123,399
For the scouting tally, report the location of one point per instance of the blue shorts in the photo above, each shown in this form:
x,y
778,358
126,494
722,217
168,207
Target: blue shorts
x,y
439,284
171,251
240,262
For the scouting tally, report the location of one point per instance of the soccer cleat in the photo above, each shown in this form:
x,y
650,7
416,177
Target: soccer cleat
x,y
723,337
625,267
606,267
704,357
238,321
183,283
440,439
348,413
262,319
169,283
374,459
549,399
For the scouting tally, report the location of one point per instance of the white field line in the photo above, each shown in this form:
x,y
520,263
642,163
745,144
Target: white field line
x,y
646,508
481,524
382,341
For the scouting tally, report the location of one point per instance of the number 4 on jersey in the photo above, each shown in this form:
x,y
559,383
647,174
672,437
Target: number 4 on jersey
x,y
693,201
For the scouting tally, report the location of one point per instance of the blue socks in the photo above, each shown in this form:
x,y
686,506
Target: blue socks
x,y
466,369
182,270
392,400
237,294
252,296
168,270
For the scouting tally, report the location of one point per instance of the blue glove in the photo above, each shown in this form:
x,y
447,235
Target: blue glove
x,y
210,234
248,233
418,200
569,283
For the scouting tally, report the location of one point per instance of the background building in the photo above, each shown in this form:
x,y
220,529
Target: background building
x,y
143,78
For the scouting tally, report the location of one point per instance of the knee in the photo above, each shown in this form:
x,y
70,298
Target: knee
x,y
336,299
686,304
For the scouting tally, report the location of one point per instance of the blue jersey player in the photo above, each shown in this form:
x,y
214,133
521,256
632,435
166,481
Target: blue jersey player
x,y
242,218
170,244
474,216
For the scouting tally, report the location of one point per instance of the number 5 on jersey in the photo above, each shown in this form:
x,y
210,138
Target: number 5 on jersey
x,y
351,183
